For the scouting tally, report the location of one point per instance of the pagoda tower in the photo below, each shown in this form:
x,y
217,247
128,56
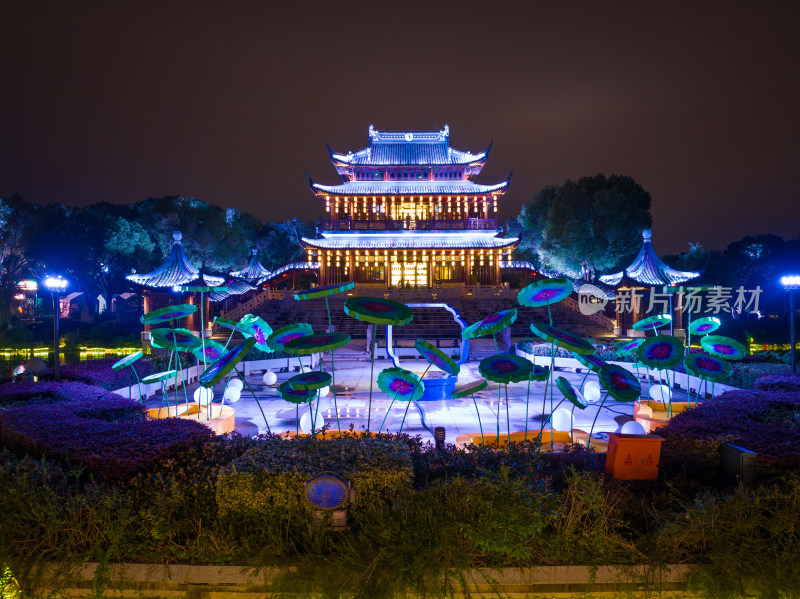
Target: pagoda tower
x,y
408,214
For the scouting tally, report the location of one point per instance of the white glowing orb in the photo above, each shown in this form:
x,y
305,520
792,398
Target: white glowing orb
x,y
562,420
660,393
324,391
305,422
203,396
232,394
632,428
236,384
269,378
592,392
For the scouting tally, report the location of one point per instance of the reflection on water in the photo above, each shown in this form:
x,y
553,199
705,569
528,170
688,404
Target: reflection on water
x,y
9,359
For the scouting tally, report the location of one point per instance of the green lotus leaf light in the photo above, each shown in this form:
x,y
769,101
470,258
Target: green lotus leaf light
x,y
620,384
401,384
168,313
562,338
296,396
220,369
377,310
316,343
182,339
257,328
661,352
126,361
309,381
159,376
470,388
437,357
544,292
492,324
233,325
210,353
283,335
652,323
638,364
574,396
704,326
630,347
723,347
318,292
591,361
540,373
505,368
708,367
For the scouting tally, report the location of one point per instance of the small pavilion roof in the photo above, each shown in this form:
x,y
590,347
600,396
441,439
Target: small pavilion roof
x,y
254,271
400,188
648,269
408,148
411,240
176,270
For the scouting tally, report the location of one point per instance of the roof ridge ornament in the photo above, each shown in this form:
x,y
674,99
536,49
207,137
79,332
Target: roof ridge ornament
x,y
177,236
647,234
445,133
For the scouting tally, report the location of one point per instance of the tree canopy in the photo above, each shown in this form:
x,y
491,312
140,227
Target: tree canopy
x,y
598,219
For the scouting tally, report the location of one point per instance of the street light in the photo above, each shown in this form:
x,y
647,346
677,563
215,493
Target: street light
x,y
791,283
56,285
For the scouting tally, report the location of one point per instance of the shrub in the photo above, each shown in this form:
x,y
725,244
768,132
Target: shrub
x,y
745,374
787,383
109,437
15,394
543,349
767,423
99,373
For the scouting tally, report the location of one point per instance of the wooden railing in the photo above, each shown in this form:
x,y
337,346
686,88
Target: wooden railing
x,y
465,224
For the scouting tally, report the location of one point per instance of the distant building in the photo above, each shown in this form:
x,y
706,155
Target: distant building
x,y
408,214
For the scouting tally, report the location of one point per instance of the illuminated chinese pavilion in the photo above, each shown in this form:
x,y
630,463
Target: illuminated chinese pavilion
x,y
408,213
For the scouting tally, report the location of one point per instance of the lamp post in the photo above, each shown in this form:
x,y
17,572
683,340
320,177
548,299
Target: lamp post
x,y
791,283
56,285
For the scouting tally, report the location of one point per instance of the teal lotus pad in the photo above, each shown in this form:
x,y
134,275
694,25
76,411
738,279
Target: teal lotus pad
x,y
723,347
256,327
661,352
309,381
318,292
296,396
492,324
540,373
574,396
378,310
506,368
591,361
630,348
708,367
316,343
278,340
619,383
182,339
544,292
470,388
401,384
168,313
704,326
437,357
210,353
159,376
220,369
562,338
233,325
652,323
126,361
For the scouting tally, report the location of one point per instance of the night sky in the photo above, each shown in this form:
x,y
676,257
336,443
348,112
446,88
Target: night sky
x,y
231,102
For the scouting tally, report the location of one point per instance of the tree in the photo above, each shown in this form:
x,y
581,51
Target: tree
x,y
598,219
279,243
16,226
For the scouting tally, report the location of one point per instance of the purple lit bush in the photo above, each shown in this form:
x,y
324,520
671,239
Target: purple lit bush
x,y
14,394
110,437
765,422
98,372
785,383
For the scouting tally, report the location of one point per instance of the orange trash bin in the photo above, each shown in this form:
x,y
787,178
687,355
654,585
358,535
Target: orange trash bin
x,y
633,457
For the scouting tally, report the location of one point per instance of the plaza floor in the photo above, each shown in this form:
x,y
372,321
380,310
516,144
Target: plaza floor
x,y
457,416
